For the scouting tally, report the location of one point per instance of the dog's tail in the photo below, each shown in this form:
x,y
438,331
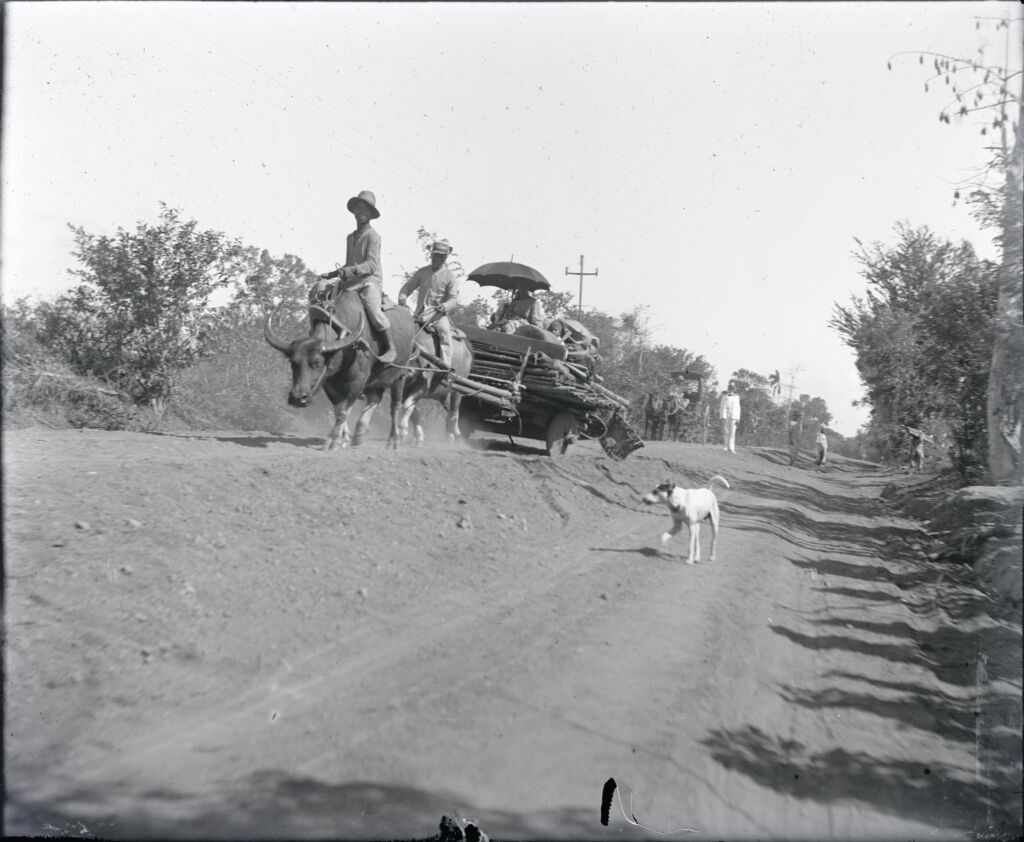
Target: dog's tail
x,y
721,479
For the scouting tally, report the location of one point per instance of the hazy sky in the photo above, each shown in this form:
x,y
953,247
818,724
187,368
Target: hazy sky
x,y
712,161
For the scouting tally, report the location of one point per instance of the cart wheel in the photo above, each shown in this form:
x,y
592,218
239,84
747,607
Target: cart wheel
x,y
563,430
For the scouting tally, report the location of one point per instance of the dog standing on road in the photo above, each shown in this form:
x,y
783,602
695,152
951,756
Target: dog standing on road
x,y
690,506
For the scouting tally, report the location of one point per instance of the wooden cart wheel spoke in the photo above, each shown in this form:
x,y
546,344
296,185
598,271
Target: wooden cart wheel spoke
x,y
563,430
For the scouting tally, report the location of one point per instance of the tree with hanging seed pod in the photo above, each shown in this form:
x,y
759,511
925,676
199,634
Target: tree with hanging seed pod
x,y
993,93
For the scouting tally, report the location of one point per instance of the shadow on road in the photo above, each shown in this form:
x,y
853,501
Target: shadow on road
x,y
957,658
824,536
932,794
273,804
249,441
812,498
649,552
806,461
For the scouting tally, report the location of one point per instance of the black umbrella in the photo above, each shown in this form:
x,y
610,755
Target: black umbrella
x,y
510,276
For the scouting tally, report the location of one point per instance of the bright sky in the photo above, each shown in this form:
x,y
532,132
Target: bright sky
x,y
712,162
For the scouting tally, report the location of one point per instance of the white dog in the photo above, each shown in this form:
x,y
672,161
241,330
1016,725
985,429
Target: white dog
x,y
690,506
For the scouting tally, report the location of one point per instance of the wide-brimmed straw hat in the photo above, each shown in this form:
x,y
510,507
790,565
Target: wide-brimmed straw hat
x,y
368,199
440,248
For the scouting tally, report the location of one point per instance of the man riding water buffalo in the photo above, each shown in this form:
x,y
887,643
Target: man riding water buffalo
x,y
438,295
362,270
353,350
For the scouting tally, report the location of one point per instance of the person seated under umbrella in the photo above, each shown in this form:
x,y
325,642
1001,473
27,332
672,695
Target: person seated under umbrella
x,y
524,308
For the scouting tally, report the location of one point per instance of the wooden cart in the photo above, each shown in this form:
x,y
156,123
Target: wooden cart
x,y
536,389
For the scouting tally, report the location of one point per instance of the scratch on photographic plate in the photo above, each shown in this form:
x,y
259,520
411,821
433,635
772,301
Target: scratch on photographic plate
x,y
610,790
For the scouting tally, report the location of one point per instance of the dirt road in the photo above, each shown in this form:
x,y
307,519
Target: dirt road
x,y
236,635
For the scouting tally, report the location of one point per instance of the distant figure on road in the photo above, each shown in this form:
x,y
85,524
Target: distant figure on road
x,y
729,412
917,440
821,440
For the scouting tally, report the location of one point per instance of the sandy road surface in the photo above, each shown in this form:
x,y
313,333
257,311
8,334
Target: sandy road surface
x,y
240,636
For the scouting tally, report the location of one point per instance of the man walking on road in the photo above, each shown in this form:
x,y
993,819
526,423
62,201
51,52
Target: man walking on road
x,y
917,440
729,412
362,269
438,294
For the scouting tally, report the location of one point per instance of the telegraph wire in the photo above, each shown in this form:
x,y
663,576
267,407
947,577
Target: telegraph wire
x,y
321,107
329,134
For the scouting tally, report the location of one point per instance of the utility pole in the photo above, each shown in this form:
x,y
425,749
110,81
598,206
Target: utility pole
x,y
581,273
793,372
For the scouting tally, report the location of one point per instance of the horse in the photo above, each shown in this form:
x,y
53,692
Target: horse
x,y
347,367
654,417
673,408
431,383
677,407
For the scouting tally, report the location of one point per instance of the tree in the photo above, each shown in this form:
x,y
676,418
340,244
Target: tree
x,y
425,239
996,94
814,410
759,417
557,305
634,338
139,316
923,336
240,383
477,312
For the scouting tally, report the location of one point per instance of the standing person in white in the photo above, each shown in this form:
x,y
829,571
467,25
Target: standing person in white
x,y
729,412
822,441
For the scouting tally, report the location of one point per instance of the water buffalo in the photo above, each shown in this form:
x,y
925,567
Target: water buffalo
x,y
426,383
347,368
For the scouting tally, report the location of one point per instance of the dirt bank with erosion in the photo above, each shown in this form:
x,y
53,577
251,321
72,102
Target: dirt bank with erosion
x,y
238,636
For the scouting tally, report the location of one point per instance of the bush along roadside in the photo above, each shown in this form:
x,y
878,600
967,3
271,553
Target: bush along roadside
x,y
979,525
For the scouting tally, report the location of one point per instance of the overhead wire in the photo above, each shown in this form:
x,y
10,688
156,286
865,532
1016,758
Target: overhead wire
x,y
319,105
271,102
321,130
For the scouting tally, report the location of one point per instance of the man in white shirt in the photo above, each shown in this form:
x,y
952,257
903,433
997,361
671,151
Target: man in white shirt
x,y
729,412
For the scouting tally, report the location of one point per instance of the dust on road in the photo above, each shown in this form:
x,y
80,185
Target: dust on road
x,y
236,635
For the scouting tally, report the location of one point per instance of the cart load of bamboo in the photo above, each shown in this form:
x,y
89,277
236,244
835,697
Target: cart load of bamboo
x,y
537,379
535,370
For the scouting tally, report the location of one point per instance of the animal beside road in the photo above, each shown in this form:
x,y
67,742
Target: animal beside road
x,y
655,417
664,414
690,506
674,407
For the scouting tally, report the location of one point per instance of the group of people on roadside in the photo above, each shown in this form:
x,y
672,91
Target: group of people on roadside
x,y
729,412
795,434
436,285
